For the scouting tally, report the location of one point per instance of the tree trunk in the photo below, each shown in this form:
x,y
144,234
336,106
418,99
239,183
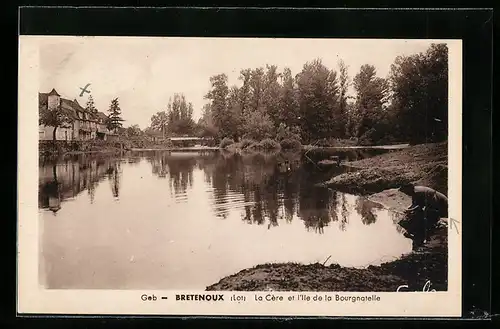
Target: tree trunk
x,y
54,135
54,174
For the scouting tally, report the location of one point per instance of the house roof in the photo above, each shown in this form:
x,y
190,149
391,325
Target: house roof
x,y
72,105
101,115
77,104
53,92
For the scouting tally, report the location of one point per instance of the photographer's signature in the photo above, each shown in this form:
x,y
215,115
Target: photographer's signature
x,y
427,287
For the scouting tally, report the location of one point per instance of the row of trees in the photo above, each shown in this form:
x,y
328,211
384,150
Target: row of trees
x,y
408,105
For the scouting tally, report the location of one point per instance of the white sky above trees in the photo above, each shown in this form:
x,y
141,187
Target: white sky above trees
x,y
145,72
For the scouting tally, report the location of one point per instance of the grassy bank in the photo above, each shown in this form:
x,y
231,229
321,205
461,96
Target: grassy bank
x,y
377,178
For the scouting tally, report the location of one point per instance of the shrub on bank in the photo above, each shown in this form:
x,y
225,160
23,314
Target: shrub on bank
x,y
246,143
287,132
268,144
226,142
368,138
291,144
334,142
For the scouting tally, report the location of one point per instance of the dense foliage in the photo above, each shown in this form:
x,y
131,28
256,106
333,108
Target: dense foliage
x,y
319,105
314,106
226,142
177,120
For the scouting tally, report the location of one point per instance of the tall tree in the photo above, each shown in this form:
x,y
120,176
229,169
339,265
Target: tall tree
x,y
419,85
218,97
257,85
180,116
352,119
289,106
90,105
159,122
371,96
245,91
206,126
233,116
272,91
318,93
344,83
114,118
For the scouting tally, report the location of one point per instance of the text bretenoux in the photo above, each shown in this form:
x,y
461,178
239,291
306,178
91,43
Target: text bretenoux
x,y
354,299
200,297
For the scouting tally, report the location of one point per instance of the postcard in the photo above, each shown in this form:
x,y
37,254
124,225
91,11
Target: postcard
x,y
239,176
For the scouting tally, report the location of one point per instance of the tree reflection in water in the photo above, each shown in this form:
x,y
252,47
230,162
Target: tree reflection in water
x,y
274,187
179,169
66,177
314,207
50,192
345,213
266,189
180,173
365,208
159,164
114,175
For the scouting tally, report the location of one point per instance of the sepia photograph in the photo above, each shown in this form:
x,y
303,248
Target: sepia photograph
x,y
242,164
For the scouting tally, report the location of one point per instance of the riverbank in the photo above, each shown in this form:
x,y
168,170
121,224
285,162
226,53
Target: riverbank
x,y
357,147
377,178
49,148
425,164
177,149
113,150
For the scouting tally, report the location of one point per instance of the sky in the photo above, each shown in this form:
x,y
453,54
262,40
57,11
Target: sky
x,y
145,72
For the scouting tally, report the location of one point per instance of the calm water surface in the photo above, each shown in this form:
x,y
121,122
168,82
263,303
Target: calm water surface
x,y
185,220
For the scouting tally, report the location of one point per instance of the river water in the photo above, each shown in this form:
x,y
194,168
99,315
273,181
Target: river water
x,y
179,220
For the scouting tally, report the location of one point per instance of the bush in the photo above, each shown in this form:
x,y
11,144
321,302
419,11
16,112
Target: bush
x,y
291,144
269,144
365,141
376,136
226,142
246,143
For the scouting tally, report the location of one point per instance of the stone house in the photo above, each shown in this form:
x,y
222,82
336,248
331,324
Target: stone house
x,y
86,125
